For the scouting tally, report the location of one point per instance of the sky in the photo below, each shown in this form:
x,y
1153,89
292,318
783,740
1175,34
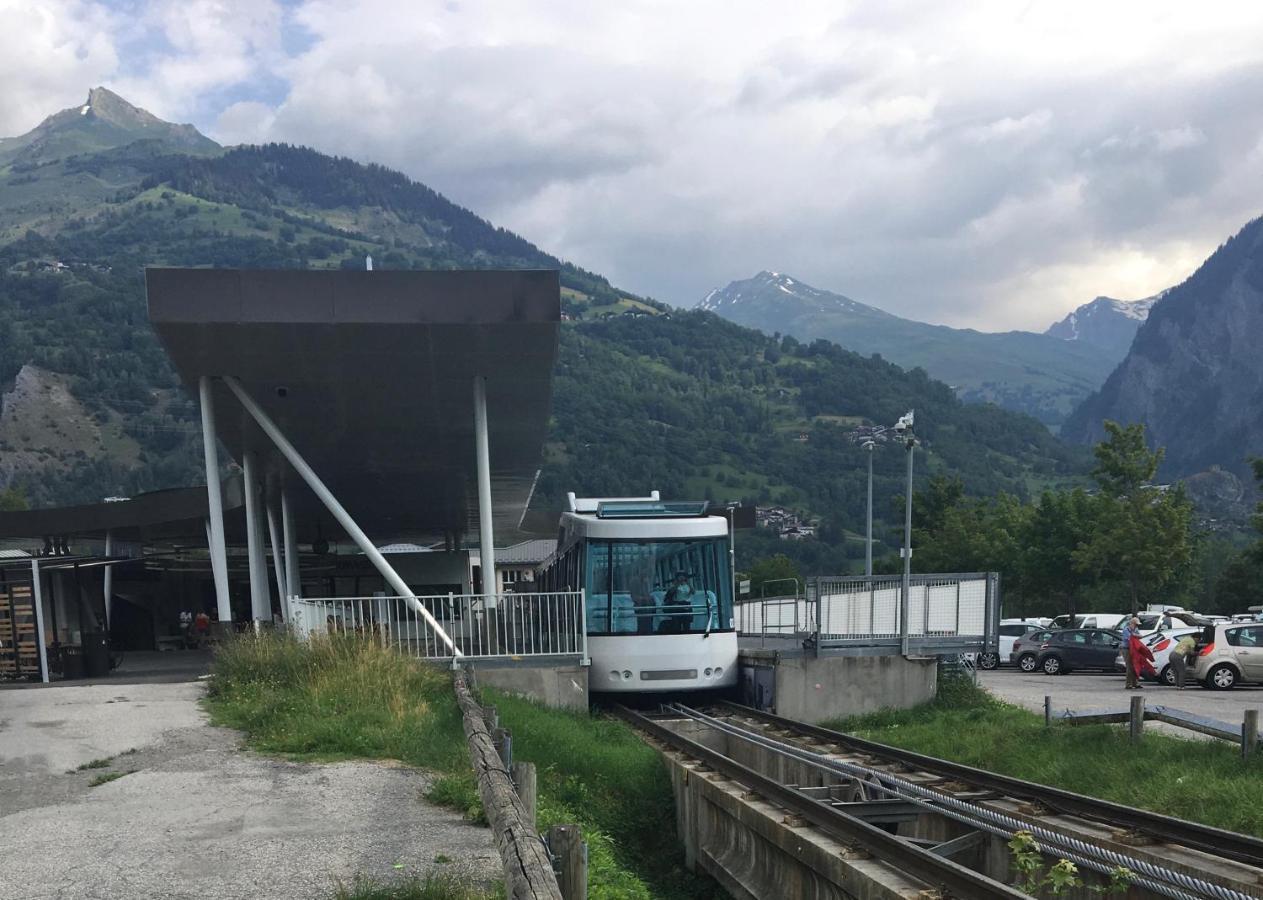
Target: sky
x,y
982,164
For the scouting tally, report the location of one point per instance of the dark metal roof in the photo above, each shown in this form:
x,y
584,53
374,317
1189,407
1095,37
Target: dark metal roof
x,y
175,513
370,375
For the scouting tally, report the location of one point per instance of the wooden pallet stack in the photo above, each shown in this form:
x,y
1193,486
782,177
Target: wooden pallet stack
x,y
19,640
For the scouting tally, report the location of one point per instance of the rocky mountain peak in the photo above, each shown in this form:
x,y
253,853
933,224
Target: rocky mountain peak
x,y
104,121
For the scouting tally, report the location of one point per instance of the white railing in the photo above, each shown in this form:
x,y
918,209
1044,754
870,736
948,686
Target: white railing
x,y
955,608
482,626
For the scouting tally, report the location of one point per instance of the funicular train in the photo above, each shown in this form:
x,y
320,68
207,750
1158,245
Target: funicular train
x,y
658,591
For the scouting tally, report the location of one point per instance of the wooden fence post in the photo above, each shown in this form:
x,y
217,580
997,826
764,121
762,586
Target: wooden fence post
x,y
502,740
524,780
1137,720
1047,710
1249,733
491,716
566,844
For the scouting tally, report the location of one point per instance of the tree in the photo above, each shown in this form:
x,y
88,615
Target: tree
x,y
1240,585
13,499
1141,535
773,571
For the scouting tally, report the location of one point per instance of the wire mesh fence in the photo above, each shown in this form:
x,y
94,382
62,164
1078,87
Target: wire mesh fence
x,y
474,626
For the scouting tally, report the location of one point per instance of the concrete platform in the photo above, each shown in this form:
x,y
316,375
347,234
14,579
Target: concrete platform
x,y
560,686
802,686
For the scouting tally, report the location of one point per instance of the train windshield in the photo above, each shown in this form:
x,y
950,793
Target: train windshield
x,y
658,587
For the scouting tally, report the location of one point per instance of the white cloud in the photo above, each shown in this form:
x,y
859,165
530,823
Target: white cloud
x,y
991,165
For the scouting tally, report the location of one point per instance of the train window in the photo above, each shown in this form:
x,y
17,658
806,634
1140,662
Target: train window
x,y
658,587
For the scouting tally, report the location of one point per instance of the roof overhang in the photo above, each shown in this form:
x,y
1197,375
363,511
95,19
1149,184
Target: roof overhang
x,y
370,376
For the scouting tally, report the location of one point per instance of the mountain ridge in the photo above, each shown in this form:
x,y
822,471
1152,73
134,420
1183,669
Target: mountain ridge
x,y
1194,373
1106,322
1022,371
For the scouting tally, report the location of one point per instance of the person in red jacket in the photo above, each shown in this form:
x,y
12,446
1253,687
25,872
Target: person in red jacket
x,y
1141,658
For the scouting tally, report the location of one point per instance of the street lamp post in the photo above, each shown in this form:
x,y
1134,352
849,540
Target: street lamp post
x,y
870,446
904,429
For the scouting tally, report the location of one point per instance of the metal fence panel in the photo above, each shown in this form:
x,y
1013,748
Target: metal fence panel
x,y
503,626
943,610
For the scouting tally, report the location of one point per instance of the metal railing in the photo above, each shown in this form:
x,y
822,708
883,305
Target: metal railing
x,y
482,626
955,612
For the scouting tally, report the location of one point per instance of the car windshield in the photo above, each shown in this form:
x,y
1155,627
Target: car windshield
x,y
658,587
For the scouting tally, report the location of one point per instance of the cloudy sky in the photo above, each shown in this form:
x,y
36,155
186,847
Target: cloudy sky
x,y
993,167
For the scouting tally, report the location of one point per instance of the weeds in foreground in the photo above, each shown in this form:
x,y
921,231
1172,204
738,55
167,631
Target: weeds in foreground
x,y
434,886
103,763
107,777
1203,781
344,697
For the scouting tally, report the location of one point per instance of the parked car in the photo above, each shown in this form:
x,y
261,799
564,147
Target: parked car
x,y
1010,631
1025,652
1160,644
1089,620
1228,654
1079,648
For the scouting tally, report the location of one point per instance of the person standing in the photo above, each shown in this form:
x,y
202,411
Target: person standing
x,y
1180,657
1131,682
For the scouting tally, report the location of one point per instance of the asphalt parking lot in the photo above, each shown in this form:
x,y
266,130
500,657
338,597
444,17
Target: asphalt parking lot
x,y
1084,691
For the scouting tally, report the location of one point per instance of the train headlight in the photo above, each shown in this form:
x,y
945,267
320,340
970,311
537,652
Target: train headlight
x,y
708,671
719,670
614,675
626,675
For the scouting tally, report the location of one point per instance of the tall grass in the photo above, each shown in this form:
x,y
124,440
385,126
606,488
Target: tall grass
x,y
345,697
1204,781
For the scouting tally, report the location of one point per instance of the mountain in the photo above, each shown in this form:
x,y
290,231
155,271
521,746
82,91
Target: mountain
x,y
1105,323
103,122
1031,373
684,402
1194,373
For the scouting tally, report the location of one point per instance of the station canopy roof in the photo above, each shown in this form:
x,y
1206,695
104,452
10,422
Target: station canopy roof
x,y
370,376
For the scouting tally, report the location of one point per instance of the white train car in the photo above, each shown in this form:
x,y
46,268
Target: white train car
x,y
658,592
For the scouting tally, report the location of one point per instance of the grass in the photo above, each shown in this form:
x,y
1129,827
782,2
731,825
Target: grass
x,y
1203,781
434,886
107,777
95,764
344,697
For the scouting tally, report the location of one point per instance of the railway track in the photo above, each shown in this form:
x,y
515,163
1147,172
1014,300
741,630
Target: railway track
x,y
859,790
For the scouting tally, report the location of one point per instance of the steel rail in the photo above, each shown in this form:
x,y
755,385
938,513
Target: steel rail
x,y
953,879
1168,829
1144,873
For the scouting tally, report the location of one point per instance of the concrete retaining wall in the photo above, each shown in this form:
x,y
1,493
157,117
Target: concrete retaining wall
x,y
813,689
561,687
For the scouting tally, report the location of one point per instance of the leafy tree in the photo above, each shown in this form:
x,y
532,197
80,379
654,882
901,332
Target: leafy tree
x,y
773,571
13,499
1240,586
1141,536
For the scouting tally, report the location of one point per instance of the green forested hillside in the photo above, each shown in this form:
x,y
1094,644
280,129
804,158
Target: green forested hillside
x,y
684,402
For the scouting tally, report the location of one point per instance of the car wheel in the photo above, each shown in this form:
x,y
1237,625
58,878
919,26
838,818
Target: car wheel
x,y
1027,662
988,660
1052,665
1222,677
1167,676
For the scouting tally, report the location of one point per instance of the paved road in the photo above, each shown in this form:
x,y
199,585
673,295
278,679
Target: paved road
x,y
199,817
1082,691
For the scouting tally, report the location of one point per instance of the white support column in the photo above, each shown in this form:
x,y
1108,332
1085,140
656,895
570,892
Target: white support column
x,y
278,558
293,579
109,580
260,598
486,534
215,503
37,598
337,511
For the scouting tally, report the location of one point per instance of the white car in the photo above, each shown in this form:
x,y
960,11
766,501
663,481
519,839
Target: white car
x,y
1228,655
1160,644
1010,631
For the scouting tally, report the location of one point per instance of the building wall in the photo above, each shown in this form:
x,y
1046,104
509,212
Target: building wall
x,y
813,689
